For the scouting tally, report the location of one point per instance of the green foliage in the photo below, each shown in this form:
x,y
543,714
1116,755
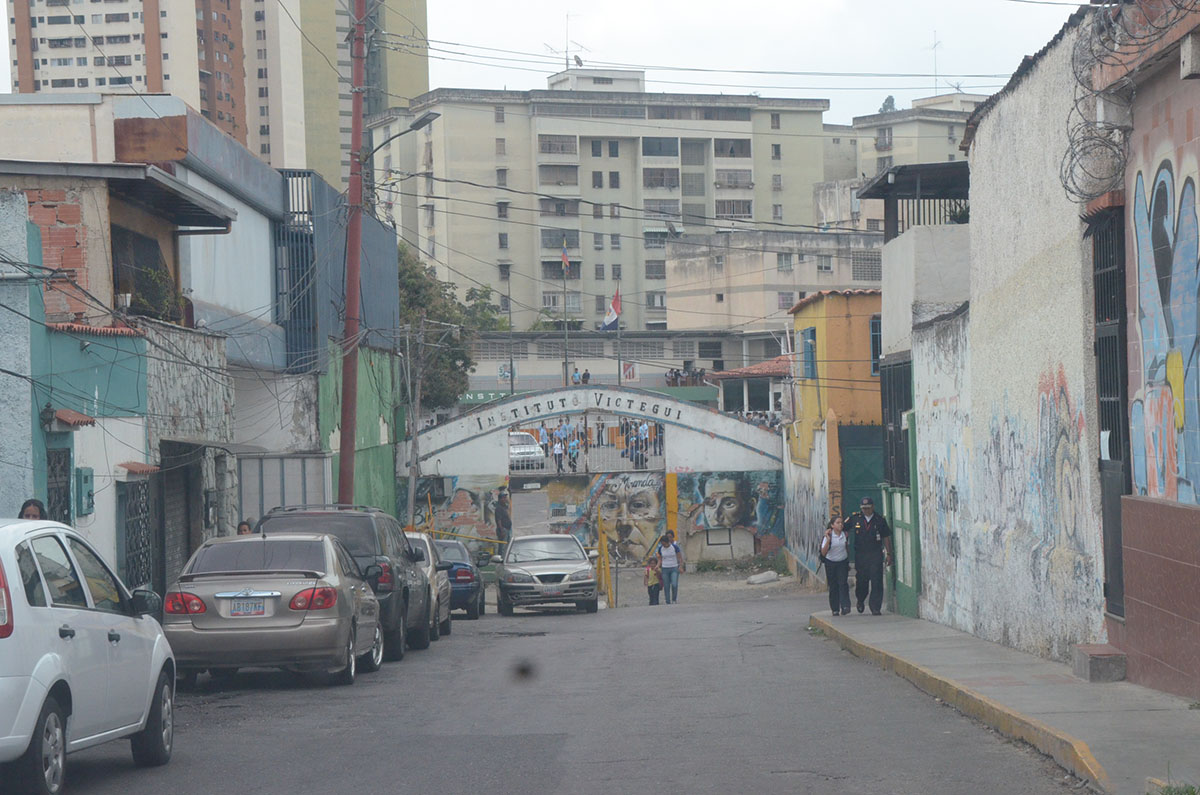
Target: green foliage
x,y
707,564
1178,789
888,105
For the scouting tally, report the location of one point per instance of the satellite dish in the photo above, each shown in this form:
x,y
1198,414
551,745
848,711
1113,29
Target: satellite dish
x,y
578,61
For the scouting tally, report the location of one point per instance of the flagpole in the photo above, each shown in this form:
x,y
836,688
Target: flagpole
x,y
566,366
619,365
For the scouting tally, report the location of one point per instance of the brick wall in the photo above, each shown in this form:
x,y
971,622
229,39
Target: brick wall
x,y
59,215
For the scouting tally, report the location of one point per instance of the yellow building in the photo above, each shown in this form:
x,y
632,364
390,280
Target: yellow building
x,y
835,443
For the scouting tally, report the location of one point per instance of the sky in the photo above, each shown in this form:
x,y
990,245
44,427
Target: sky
x,y
887,38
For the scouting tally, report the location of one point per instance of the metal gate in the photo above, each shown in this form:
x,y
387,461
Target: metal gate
x,y
58,484
139,554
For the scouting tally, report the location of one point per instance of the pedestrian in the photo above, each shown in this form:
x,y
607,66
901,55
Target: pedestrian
x,y
872,553
576,377
503,519
573,454
587,376
836,555
652,577
600,433
32,509
558,455
244,528
544,440
658,438
671,556
644,436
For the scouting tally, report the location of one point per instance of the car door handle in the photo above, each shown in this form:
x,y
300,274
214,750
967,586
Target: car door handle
x,y
66,632
114,637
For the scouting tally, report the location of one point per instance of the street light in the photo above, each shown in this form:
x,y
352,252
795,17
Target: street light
x,y
424,120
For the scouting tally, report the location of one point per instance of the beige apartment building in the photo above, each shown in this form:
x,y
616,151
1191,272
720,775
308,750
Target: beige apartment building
x,y
747,282
397,70
492,191
191,50
275,129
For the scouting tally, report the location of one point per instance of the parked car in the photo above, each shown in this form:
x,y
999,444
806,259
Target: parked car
x,y
467,588
82,660
435,570
372,538
545,569
524,452
289,600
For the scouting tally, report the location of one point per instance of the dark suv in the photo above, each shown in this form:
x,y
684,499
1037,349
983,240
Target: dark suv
x,y
372,538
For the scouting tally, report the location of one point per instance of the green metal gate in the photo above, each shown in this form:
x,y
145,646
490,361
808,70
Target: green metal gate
x,y
900,510
862,464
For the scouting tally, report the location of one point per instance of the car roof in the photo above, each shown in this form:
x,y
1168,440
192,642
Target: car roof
x,y
23,527
287,536
544,536
449,542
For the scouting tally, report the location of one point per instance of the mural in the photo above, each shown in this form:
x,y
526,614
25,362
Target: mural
x,y
1164,415
730,514
631,509
809,503
463,505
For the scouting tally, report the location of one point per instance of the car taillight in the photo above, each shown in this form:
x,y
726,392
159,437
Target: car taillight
x,y
180,603
6,611
386,581
314,599
464,575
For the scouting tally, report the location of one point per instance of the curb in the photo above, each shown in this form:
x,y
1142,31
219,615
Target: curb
x,y
1072,754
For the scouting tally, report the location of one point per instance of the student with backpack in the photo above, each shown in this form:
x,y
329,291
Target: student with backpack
x,y
671,556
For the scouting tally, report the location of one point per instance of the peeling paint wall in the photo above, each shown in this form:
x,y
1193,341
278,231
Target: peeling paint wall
x,y
810,500
1032,551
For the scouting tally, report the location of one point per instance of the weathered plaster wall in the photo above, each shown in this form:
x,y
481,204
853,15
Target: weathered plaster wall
x,y
1037,569
189,393
810,501
275,412
926,272
16,409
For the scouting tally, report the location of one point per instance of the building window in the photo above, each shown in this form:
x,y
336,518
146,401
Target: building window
x,y
654,240
614,241
558,175
660,178
662,208
614,148
614,211
950,136
599,274
656,269
874,225
500,146
498,114
720,298
597,210
502,177
867,266
775,121
614,179
597,148
602,81
876,343
501,209
558,144
731,147
776,151
735,208
883,138
598,241
882,164
733,178
560,238
777,182
783,260
505,271
616,272
807,344
502,240
597,179
949,158
656,300
505,304
776,212
601,305
785,299
660,147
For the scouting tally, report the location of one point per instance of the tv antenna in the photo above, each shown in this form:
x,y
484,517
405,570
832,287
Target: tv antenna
x,y
935,46
568,52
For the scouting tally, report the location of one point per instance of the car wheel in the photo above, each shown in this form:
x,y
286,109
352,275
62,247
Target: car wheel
x,y
482,601
419,637
152,745
473,609
346,675
591,606
42,768
503,605
446,625
396,641
372,661
435,625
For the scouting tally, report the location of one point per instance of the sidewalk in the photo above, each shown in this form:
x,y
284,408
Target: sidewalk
x,y
1116,735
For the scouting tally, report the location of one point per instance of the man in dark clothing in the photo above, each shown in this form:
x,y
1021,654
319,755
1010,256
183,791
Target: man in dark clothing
x,y
872,552
503,519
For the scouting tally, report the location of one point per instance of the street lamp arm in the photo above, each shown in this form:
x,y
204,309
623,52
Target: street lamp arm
x,y
424,120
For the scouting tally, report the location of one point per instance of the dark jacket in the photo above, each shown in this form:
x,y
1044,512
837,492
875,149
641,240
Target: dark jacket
x,y
868,536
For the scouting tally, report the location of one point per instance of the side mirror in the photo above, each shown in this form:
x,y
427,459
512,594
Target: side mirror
x,y
372,573
146,603
445,565
496,560
418,555
593,554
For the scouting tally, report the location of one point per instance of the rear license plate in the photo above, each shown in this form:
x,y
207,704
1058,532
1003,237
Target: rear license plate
x,y
247,607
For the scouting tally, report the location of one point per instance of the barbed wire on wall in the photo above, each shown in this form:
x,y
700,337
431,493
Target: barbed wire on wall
x,y
1115,33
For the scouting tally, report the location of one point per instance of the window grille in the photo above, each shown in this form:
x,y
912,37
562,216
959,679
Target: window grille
x,y
735,178
660,147
866,266
558,144
656,269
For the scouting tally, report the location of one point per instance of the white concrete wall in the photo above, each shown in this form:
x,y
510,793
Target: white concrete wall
x,y
16,413
926,273
111,441
275,412
1032,550
32,125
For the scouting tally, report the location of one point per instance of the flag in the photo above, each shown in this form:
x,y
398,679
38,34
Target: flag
x,y
566,259
612,318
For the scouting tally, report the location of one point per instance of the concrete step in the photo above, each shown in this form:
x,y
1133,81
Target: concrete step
x,y
1098,662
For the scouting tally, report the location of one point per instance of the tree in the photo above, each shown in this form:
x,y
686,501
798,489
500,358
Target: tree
x,y
888,105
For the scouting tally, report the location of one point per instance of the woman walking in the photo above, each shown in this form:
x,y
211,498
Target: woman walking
x,y
837,566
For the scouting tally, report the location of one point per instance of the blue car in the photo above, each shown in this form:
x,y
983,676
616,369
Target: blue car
x,y
466,581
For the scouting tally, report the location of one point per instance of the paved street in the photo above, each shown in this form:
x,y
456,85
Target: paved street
x,y
712,698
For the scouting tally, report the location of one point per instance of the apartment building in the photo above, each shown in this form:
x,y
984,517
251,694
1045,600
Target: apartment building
x,y
397,70
503,182
275,128
193,51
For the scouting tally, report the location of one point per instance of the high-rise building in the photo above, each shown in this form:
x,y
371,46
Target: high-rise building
x,y
275,117
193,51
397,70
496,189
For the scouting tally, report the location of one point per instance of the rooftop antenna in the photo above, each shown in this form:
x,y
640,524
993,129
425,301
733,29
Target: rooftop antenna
x,y
567,52
935,46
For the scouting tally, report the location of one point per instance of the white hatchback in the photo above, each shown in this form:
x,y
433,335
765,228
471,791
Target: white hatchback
x,y
82,660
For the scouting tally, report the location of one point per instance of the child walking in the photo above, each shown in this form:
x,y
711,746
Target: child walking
x,y
653,579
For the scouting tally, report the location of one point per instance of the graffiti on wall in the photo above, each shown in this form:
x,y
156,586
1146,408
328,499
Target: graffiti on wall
x,y
730,514
1164,414
809,503
463,505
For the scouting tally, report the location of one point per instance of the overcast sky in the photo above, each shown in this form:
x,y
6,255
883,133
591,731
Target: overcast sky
x,y
977,37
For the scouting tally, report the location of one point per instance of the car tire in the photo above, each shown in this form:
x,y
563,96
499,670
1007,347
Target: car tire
x,y
482,601
372,661
504,606
42,768
152,746
347,674
435,626
590,606
418,638
447,624
396,641
473,609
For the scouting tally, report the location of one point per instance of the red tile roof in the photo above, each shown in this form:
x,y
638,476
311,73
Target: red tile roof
x,y
138,468
73,418
812,298
99,331
779,367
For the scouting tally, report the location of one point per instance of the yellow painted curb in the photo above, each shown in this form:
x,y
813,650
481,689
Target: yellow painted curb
x,y
1072,754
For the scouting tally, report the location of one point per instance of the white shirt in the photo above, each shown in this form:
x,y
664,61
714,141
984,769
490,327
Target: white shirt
x,y
558,448
837,548
670,560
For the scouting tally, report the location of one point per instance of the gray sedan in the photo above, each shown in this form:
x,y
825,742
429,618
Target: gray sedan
x,y
545,569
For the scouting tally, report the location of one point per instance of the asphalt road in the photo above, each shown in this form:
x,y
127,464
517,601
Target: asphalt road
x,y
706,698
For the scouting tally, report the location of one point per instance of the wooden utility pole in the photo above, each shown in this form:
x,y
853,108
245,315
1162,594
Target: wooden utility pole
x,y
414,446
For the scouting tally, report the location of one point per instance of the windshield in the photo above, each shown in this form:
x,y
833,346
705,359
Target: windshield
x,y
521,439
453,551
355,531
262,554
535,549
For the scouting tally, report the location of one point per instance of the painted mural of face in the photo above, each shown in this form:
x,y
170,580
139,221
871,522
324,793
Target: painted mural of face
x,y
630,510
723,504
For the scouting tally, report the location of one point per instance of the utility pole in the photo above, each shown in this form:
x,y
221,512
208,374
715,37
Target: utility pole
x,y
349,427
414,445
619,366
512,376
566,367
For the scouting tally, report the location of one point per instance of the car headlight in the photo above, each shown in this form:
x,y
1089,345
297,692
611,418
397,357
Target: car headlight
x,y
582,574
518,576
